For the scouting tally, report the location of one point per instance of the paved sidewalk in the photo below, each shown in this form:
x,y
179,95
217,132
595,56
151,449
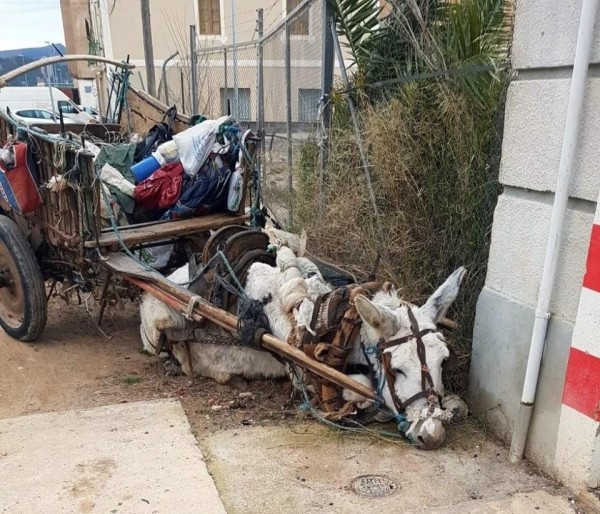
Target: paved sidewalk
x,y
129,458
310,469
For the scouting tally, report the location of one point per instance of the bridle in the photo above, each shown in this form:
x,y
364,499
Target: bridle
x,y
385,359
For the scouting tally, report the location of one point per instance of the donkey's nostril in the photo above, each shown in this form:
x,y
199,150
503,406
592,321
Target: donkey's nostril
x,y
430,435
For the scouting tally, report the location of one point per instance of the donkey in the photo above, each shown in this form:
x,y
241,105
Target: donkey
x,y
397,343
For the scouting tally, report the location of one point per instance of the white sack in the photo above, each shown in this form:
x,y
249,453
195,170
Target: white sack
x,y
194,144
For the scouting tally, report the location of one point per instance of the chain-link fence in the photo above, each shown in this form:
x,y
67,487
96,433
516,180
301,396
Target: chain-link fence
x,y
272,85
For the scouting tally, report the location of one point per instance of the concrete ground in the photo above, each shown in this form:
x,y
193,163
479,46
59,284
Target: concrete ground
x,y
130,458
142,458
311,469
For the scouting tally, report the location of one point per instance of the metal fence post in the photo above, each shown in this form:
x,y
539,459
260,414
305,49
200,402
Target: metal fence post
x,y
194,101
260,91
226,92
236,92
182,90
326,85
288,95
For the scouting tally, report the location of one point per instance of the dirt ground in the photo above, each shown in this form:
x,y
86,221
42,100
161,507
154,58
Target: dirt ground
x,y
74,366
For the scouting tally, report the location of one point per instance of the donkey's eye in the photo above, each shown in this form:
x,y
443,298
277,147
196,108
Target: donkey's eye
x,y
398,371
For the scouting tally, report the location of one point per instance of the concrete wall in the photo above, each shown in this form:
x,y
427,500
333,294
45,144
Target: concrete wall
x,y
544,41
577,457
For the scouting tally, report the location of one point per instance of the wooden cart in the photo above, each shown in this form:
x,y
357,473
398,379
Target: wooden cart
x,y
64,239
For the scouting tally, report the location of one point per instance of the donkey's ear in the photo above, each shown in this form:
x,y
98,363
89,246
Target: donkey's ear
x,y
437,304
379,317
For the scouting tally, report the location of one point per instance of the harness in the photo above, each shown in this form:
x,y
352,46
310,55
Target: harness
x,y
385,358
332,335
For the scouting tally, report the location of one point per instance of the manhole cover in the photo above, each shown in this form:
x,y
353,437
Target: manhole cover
x,y
374,486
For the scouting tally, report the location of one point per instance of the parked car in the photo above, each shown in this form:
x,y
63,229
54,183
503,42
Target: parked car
x,y
92,112
28,98
39,117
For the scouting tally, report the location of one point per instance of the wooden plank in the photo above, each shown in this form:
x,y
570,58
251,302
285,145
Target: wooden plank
x,y
146,111
179,298
160,231
122,264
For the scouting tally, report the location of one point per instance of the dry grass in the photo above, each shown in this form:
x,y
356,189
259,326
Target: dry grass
x,y
434,161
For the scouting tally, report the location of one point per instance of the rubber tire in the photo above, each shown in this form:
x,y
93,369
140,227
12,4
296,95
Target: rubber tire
x,y
34,291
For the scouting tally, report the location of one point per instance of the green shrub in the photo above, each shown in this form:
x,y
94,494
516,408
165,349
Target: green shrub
x,y
433,147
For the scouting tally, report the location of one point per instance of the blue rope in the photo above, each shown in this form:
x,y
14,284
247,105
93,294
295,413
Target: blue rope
x,y
115,228
307,407
399,417
219,255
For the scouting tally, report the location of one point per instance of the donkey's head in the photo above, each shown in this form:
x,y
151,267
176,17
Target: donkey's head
x,y
408,354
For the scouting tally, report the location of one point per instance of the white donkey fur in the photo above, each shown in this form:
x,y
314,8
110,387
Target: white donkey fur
x,y
293,287
385,318
221,362
216,361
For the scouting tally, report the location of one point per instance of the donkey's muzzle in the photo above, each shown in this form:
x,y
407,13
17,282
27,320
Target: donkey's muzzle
x,y
429,434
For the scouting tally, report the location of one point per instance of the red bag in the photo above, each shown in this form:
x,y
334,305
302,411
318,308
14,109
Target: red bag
x,y
18,184
161,190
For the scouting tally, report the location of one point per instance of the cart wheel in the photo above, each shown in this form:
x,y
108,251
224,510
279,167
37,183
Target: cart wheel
x,y
23,306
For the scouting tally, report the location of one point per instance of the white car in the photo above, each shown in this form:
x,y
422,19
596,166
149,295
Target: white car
x,y
39,117
92,112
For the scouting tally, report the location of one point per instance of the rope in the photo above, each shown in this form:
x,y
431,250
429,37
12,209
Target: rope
x,y
358,428
117,232
401,419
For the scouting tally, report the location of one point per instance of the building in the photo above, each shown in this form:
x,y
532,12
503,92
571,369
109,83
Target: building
x,y
114,29
563,438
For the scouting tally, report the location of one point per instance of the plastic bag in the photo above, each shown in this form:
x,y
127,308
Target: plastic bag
x,y
195,144
157,256
169,152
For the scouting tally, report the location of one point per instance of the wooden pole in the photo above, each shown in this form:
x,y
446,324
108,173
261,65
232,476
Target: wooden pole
x,y
178,298
148,49
53,60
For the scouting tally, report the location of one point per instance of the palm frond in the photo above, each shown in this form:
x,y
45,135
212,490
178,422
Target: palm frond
x,y
358,23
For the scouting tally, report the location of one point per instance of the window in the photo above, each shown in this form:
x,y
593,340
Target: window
x,y
45,115
308,104
66,107
37,114
210,17
244,107
300,25
87,89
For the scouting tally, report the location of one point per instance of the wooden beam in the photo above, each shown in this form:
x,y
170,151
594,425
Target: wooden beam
x,y
178,298
132,234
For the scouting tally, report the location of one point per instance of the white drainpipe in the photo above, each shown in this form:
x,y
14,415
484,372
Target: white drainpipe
x,y
565,173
